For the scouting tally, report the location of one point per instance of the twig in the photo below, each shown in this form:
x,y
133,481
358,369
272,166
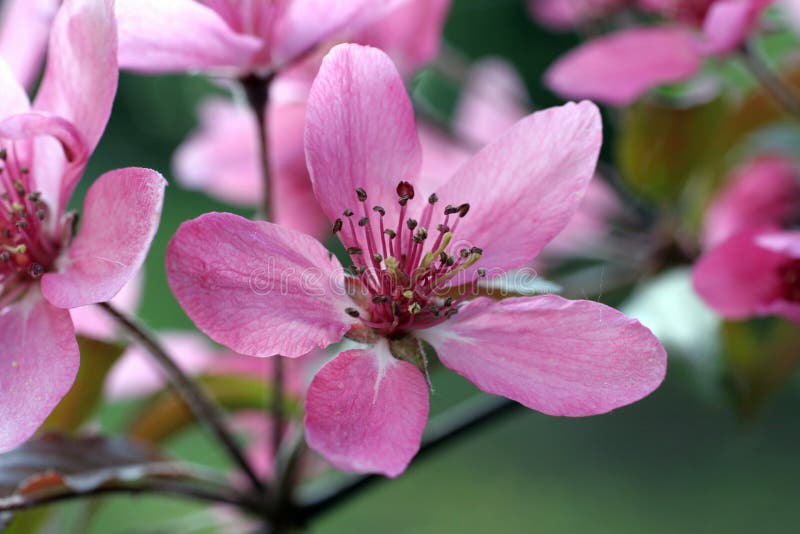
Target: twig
x,y
771,83
203,408
455,422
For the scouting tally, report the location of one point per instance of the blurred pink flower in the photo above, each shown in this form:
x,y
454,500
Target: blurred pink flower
x,y
24,28
43,153
752,265
618,68
269,290
569,14
240,37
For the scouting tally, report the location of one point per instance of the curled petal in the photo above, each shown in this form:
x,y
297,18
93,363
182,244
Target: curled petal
x,y
24,29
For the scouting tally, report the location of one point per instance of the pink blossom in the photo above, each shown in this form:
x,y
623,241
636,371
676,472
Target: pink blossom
x,y
238,37
24,28
568,14
619,67
43,153
752,264
269,290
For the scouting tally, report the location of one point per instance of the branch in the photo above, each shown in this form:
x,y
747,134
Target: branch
x,y
455,422
203,408
782,93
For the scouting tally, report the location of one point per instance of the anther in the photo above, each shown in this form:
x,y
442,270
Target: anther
x,y
380,299
405,189
40,214
363,221
476,250
348,212
390,233
414,308
22,225
352,312
462,210
464,253
3,154
451,312
443,228
378,258
450,209
362,195
433,199
482,272
5,256
354,250
36,270
380,210
411,223
448,302
408,294
337,226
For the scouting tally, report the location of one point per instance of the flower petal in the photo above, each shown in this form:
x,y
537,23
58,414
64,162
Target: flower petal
x,y
94,322
24,28
524,188
365,412
738,277
120,218
39,362
256,287
728,23
178,35
15,99
80,79
786,243
616,69
360,130
560,357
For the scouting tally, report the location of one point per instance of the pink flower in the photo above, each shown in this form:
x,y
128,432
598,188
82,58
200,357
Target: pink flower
x,y
752,265
43,152
266,290
24,28
568,14
618,68
240,37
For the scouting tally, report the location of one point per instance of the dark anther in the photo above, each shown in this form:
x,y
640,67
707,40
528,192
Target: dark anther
x,y
362,195
443,257
348,213
450,209
481,272
24,170
5,256
476,250
379,210
405,190
19,188
451,312
378,258
463,209
411,223
380,299
451,260
35,196
443,228
36,270
353,250
422,235
448,302
40,214
352,312
433,199
390,233
3,154
363,221
22,225
464,253
337,226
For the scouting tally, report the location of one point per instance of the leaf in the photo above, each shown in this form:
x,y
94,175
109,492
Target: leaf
x,y
660,149
166,414
760,356
56,465
97,358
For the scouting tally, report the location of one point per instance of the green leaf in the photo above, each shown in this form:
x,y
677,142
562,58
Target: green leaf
x,y
97,358
165,414
760,356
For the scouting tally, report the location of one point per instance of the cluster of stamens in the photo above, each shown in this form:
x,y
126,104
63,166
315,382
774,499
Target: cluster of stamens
x,y
789,275
404,275
24,250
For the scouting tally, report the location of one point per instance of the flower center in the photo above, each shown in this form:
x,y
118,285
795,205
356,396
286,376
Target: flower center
x,y
25,250
403,277
789,275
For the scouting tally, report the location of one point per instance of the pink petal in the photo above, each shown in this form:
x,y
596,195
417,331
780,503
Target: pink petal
x,y
365,412
568,14
786,243
559,357
616,69
24,29
92,321
221,158
39,360
80,80
411,34
121,213
763,192
15,99
738,277
178,35
360,131
525,187
442,156
493,100
136,374
729,22
256,287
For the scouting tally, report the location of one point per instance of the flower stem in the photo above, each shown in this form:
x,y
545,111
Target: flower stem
x,y
772,84
203,408
456,422
257,90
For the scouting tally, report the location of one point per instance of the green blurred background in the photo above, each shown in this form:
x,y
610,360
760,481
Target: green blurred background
x,y
680,460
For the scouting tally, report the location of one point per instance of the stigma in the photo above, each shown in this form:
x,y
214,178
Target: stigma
x,y
404,270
